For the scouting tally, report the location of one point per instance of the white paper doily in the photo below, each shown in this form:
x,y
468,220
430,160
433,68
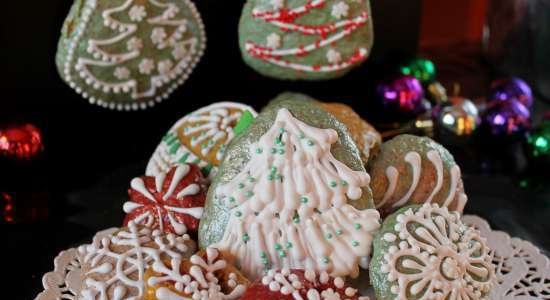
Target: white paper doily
x,y
523,273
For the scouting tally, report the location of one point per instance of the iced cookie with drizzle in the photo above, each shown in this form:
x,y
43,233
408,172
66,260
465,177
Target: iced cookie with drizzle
x,y
410,169
114,265
172,201
305,39
301,285
129,54
292,192
200,137
425,252
206,275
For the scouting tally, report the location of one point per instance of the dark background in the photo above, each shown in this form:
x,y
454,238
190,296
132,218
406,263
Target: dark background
x,y
91,153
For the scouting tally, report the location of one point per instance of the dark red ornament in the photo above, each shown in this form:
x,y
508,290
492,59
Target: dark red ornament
x,y
21,141
172,202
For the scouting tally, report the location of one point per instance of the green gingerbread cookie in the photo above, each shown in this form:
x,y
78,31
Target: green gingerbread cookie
x,y
129,54
292,192
305,39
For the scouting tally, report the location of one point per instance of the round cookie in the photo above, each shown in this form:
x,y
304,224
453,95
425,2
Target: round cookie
x,y
129,54
410,169
206,275
114,265
300,284
310,40
365,136
172,202
200,137
425,252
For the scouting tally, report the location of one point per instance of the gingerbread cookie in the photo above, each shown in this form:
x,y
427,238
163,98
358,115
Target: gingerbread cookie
x,y
114,265
292,192
299,284
206,275
426,252
367,139
312,40
200,137
411,169
129,54
172,202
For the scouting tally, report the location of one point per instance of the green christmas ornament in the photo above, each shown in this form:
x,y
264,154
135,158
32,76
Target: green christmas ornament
x,y
421,68
538,142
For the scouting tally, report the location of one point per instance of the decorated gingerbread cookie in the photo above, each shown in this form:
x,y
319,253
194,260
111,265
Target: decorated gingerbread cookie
x,y
411,169
305,39
200,137
206,275
426,252
172,202
114,265
129,54
292,192
299,284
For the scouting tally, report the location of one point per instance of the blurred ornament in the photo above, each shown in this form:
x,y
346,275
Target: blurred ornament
x,y
421,68
513,88
402,95
20,141
459,116
507,118
436,93
538,142
23,207
423,126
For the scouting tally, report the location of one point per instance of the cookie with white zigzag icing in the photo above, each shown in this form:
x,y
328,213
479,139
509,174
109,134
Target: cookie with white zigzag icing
x,y
129,54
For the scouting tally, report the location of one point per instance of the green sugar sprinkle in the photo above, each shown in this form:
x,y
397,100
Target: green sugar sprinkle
x,y
278,177
281,130
263,254
288,245
273,150
355,243
301,135
281,151
310,143
238,214
273,169
339,232
270,177
251,179
326,260
246,238
357,226
232,199
329,236
333,184
344,183
278,247
304,199
259,150
249,194
241,185
282,253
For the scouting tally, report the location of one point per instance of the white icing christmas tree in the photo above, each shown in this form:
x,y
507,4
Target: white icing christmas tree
x,y
289,205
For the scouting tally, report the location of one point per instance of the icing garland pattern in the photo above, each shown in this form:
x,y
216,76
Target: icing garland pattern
x,y
415,162
81,71
166,205
289,205
208,130
200,282
327,35
117,262
435,256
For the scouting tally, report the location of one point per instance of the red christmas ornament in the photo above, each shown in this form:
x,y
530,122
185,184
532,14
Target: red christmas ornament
x,y
21,142
172,202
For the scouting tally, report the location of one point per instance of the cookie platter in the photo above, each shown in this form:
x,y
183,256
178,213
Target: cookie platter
x,y
302,200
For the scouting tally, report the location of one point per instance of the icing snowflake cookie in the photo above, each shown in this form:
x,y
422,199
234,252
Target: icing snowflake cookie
x,y
311,39
200,137
411,169
426,252
364,135
292,192
172,202
206,275
299,285
114,265
129,54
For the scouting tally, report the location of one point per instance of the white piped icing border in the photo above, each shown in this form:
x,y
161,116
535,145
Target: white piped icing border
x,y
183,69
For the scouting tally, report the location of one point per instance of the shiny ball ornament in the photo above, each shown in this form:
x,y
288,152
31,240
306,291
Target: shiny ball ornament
x,y
507,118
538,142
458,116
21,141
402,96
436,93
421,68
508,89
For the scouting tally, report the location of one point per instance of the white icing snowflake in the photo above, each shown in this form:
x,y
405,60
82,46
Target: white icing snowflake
x,y
122,73
137,13
134,44
146,66
334,56
274,41
433,254
158,35
165,67
277,4
340,10
180,51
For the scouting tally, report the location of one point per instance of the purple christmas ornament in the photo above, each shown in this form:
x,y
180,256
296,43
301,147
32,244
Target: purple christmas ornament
x,y
507,118
402,95
513,88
